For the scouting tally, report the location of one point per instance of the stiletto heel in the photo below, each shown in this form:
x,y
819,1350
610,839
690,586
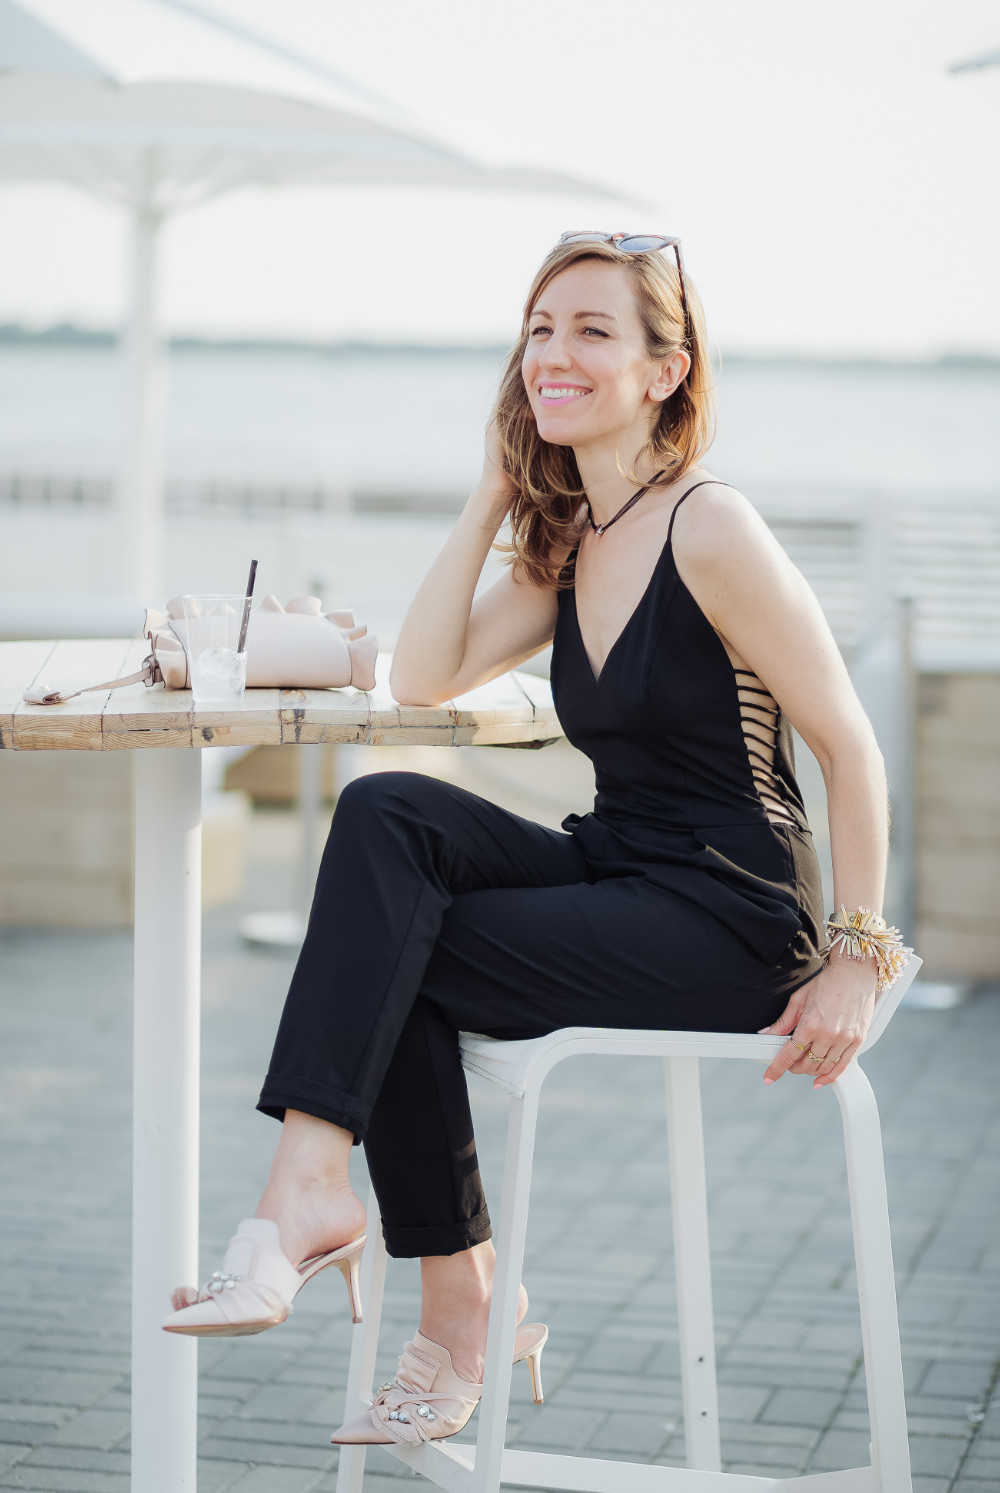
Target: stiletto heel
x,y
534,1362
255,1288
350,1269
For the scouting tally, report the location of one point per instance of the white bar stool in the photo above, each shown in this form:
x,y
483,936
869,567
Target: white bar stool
x,y
520,1068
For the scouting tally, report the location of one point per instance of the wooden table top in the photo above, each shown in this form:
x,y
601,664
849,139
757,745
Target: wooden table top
x,y
514,710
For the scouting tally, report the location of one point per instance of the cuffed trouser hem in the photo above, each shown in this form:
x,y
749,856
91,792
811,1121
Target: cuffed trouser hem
x,y
338,1109
439,1239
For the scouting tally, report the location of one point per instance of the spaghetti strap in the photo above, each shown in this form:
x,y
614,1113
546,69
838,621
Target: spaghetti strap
x,y
706,482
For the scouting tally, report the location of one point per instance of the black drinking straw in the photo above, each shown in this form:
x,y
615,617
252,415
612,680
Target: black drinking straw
x,y
246,607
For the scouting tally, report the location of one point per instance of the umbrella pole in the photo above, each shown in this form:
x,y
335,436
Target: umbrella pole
x,y
141,485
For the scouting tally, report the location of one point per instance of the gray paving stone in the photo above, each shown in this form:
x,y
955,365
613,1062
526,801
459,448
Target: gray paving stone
x,y
16,1385
939,1456
563,1430
811,1407
838,1450
276,1480
217,1477
65,1480
69,1388
375,1482
625,1432
309,1451
101,1429
78,1458
739,1402
979,1463
282,1402
781,1457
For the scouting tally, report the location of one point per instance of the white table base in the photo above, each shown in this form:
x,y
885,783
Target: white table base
x,y
167,1046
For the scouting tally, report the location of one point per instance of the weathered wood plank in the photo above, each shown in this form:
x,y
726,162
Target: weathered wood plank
x,y
491,712
136,715
324,716
509,710
396,725
20,665
76,725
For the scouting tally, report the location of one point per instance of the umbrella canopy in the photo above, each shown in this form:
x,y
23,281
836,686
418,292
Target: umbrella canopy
x,y
161,105
973,64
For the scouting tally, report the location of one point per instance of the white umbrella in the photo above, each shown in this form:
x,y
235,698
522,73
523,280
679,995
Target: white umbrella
x,y
973,64
121,98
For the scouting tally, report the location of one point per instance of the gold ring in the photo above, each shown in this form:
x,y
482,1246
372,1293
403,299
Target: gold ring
x,y
800,1045
815,1059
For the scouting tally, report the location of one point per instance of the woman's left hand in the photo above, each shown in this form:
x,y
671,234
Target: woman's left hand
x,y
826,1022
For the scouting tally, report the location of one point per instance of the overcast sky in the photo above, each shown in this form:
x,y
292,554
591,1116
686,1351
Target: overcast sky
x,y
835,187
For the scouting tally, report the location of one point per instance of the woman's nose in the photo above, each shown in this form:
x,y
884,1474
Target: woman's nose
x,y
554,353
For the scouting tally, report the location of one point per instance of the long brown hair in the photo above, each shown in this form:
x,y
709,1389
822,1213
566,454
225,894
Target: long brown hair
x,y
548,496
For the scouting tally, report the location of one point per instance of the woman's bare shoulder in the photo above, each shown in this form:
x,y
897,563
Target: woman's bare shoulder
x,y
719,524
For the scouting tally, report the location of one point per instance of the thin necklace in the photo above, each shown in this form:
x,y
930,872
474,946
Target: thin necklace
x,y
600,528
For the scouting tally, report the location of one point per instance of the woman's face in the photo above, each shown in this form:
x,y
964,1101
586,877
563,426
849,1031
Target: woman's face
x,y
588,375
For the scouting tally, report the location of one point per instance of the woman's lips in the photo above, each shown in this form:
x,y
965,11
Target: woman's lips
x,y
561,394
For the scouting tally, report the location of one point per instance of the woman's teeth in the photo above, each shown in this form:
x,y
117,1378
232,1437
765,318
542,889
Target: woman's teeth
x,y
548,393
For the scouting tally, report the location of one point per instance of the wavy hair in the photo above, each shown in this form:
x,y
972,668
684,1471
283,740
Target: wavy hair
x,y
548,492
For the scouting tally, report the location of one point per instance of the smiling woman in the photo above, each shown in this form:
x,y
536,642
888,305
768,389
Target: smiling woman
x,y
684,646
538,421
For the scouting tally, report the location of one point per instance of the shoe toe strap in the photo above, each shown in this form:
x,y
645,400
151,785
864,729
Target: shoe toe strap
x,y
239,1300
408,1410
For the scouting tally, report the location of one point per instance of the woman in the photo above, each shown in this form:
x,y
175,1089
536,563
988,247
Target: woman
x,y
685,644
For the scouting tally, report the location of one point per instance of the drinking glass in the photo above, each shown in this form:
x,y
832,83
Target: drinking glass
x,y
212,627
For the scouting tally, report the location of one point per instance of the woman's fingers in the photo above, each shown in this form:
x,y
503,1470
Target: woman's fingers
x,y
788,1019
787,1059
835,1063
823,1057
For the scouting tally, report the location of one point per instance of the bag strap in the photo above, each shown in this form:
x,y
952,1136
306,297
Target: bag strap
x,y
44,694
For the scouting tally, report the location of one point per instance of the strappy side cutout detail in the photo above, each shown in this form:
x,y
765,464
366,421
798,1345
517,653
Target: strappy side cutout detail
x,y
759,714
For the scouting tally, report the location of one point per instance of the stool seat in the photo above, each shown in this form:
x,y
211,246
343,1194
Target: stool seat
x,y
519,1069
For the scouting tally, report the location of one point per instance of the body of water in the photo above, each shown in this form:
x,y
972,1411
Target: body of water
x,y
369,425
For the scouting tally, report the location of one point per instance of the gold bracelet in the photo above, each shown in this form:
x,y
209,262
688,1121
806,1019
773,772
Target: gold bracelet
x,y
864,935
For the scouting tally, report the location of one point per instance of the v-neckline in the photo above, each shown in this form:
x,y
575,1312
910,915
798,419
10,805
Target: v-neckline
x,y
596,675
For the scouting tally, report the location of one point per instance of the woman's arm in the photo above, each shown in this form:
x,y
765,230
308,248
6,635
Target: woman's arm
x,y
770,620
450,642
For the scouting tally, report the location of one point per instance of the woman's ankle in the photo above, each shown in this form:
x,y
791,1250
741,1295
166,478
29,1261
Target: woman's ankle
x,y
312,1219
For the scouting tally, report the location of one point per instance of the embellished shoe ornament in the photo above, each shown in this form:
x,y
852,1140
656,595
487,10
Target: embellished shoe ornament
x,y
427,1399
256,1285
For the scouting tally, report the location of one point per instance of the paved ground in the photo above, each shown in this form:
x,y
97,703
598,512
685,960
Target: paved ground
x,y
598,1265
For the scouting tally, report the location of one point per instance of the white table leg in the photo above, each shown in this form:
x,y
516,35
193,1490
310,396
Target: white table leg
x,y
166,1046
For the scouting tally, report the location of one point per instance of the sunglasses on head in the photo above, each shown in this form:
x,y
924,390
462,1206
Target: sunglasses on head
x,y
640,243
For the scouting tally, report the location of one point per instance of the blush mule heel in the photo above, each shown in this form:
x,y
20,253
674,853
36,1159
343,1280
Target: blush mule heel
x,y
255,1288
428,1400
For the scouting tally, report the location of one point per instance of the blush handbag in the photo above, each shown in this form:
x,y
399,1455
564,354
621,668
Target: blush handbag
x,y
297,646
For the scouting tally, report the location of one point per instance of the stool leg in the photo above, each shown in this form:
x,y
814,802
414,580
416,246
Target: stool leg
x,y
876,1281
695,1321
364,1348
510,1236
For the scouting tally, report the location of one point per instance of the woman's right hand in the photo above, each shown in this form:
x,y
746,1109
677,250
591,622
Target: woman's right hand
x,y
495,486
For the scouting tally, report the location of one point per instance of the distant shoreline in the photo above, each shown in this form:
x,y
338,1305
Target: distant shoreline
x,y
67,334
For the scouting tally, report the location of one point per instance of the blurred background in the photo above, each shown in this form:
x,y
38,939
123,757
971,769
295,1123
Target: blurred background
x,y
259,266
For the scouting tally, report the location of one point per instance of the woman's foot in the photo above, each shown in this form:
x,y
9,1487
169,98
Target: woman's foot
x,y
428,1399
309,1209
455,1306
308,1194
257,1285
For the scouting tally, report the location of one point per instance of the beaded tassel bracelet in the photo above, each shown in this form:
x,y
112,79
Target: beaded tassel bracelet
x,y
863,935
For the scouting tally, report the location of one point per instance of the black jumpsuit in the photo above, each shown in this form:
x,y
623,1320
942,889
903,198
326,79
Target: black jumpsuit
x,y
689,898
